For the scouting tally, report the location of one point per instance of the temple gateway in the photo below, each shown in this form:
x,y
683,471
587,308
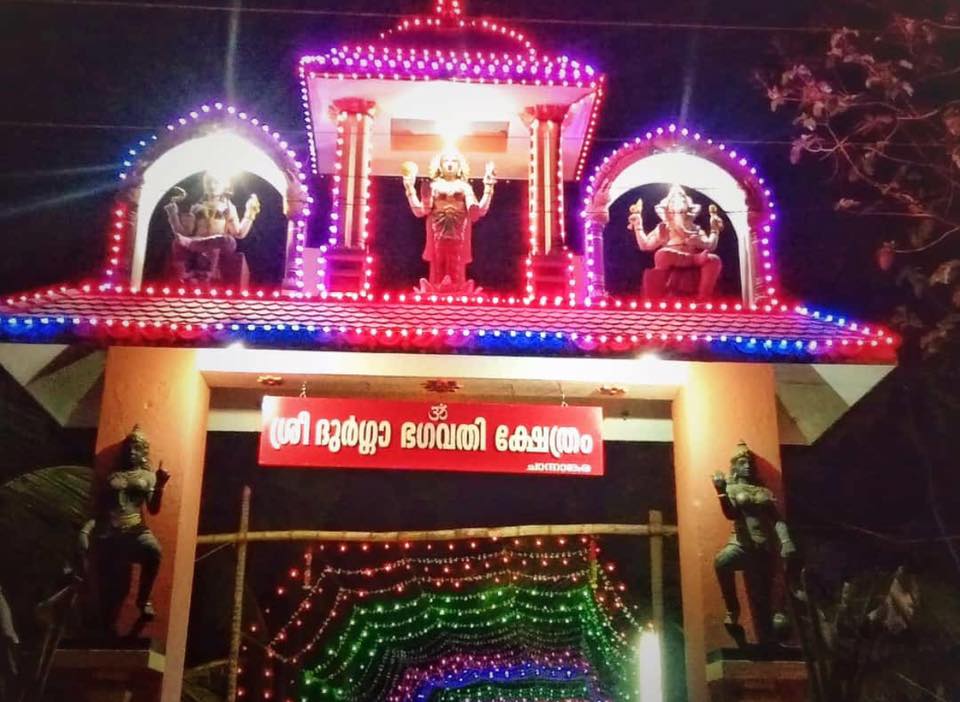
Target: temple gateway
x,y
452,278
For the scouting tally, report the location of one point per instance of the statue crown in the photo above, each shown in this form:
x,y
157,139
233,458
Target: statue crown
x,y
743,451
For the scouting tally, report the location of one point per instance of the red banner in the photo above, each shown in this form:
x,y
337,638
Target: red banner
x,y
340,433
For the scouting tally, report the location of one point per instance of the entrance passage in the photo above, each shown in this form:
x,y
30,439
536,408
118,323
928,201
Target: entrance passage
x,y
511,613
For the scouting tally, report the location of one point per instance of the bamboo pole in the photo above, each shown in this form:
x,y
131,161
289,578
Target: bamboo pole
x,y
656,568
504,532
236,623
656,585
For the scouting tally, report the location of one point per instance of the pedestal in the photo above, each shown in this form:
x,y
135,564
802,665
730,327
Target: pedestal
x,y
346,270
106,675
556,274
733,679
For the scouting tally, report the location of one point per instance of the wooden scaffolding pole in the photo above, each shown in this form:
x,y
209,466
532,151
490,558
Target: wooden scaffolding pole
x,y
656,585
656,568
504,532
236,623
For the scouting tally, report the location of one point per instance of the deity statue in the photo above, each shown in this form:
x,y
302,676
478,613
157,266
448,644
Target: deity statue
x,y
118,535
757,529
684,262
450,207
205,239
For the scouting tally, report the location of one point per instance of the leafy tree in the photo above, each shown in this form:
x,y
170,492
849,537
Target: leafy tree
x,y
881,106
882,637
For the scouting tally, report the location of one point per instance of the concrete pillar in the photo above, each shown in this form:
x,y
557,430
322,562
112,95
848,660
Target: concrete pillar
x,y
547,233
353,118
552,270
345,259
720,404
161,390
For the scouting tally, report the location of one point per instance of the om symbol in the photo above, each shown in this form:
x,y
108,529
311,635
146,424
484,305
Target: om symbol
x,y
438,413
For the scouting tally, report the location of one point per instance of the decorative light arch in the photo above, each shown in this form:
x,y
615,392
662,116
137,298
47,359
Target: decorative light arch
x,y
674,154
213,134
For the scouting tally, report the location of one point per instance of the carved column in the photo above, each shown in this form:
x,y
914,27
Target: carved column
x,y
597,218
350,196
552,271
353,118
297,207
546,178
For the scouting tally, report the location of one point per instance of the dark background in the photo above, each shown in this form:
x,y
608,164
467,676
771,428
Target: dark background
x,y
86,81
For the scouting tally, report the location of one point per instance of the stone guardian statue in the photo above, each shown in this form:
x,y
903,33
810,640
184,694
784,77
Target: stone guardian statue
x,y
117,537
758,531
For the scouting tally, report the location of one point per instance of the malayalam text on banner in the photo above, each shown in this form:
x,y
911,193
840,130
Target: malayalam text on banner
x,y
462,437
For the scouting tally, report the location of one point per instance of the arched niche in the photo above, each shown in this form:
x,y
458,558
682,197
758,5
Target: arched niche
x,y
674,155
214,138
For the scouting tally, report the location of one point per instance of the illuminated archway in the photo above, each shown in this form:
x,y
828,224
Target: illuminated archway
x,y
486,619
215,137
675,155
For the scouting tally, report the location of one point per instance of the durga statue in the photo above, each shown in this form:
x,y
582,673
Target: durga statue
x,y
684,262
450,206
205,238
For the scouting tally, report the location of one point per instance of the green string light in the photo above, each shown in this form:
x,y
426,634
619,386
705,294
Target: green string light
x,y
381,638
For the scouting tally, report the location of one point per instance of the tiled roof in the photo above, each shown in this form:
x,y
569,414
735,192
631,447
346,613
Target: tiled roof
x,y
279,320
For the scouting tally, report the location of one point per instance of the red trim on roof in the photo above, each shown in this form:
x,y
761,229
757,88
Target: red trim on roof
x,y
540,328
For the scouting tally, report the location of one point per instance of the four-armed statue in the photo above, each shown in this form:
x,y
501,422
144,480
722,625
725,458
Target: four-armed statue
x,y
684,262
757,530
205,239
450,207
118,535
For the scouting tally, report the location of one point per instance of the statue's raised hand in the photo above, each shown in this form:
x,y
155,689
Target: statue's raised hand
x,y
720,483
490,174
252,208
409,170
177,194
163,477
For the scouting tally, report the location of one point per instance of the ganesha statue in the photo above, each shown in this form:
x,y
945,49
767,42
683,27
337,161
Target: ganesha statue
x,y
684,262
450,207
204,248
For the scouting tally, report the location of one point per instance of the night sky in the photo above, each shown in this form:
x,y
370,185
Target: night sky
x,y
84,81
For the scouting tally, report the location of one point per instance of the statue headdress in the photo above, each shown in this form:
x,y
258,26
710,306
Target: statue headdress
x,y
743,451
209,177
135,453
676,190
